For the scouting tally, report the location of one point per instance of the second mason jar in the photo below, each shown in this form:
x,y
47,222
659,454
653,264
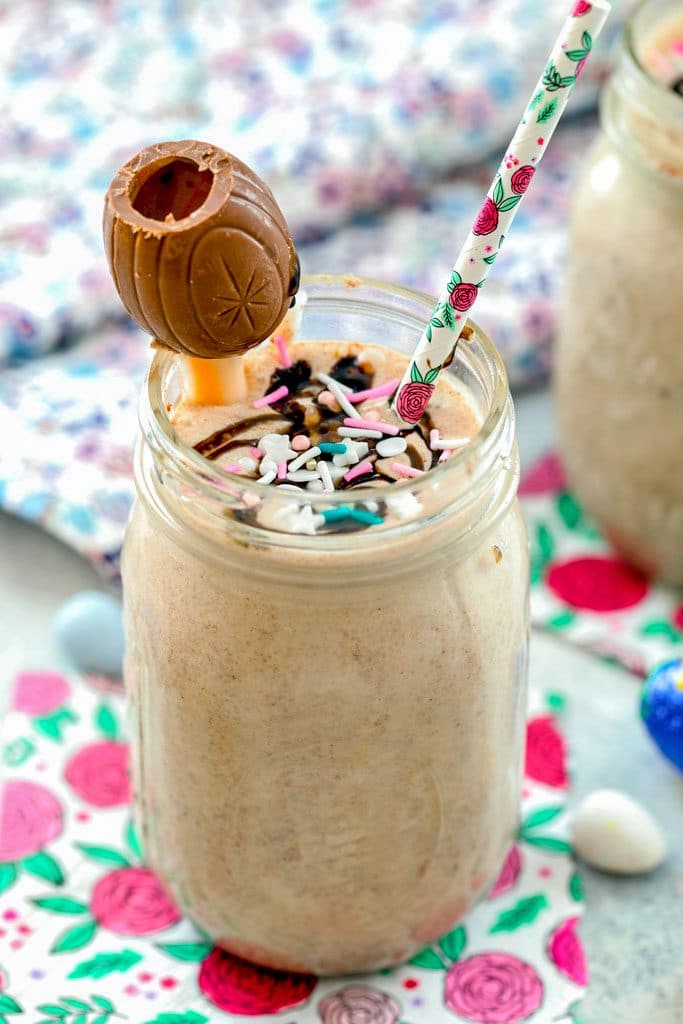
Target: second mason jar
x,y
328,730
619,366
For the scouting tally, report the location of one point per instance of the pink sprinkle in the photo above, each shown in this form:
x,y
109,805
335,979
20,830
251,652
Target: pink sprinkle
x,y
373,415
434,436
445,455
379,392
402,470
386,428
274,396
281,346
301,443
360,470
281,470
327,399
234,467
256,453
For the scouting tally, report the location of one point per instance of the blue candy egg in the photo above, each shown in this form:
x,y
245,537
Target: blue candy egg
x,y
661,709
89,629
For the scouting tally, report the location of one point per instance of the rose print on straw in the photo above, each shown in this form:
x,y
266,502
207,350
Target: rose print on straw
x,y
437,344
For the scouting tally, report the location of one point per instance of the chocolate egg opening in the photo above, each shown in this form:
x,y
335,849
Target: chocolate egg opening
x,y
171,192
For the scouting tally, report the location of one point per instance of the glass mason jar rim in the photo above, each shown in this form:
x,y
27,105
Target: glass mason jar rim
x,y
643,93
490,448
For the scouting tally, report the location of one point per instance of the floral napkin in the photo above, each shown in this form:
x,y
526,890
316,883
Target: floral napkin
x,y
88,935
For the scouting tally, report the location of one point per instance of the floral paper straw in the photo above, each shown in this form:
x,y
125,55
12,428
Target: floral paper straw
x,y
437,344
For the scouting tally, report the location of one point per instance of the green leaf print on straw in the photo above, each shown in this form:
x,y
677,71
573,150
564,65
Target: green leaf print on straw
x,y
438,341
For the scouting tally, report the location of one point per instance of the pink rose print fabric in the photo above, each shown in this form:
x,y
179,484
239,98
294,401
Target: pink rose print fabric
x,y
31,818
132,901
581,588
88,928
98,774
494,988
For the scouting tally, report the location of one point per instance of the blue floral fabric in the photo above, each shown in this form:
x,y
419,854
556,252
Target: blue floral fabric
x,y
378,124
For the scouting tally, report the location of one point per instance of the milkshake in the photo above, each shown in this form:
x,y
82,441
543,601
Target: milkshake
x,y
325,607
619,365
329,710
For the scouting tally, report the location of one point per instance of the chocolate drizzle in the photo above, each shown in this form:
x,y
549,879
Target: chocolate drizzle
x,y
318,422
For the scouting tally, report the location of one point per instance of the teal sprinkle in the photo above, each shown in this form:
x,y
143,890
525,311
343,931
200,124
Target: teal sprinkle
x,y
363,516
332,449
333,515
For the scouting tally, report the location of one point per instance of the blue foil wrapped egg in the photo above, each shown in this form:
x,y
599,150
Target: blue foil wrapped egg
x,y
89,630
661,708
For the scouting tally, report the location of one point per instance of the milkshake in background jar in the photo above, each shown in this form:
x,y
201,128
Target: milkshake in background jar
x,y
619,365
329,708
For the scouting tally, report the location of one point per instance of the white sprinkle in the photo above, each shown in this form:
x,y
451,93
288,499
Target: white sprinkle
x,y
371,506
302,476
336,472
306,521
325,378
316,486
405,506
449,442
357,432
290,487
341,398
362,449
325,476
248,464
392,446
301,460
275,445
268,464
268,478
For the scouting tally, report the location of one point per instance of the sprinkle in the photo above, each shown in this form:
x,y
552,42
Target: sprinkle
x,y
371,506
336,472
325,378
302,476
272,398
248,464
250,500
327,399
301,460
405,506
315,485
378,392
334,515
449,442
330,448
234,467
301,442
268,464
306,521
360,470
281,470
402,470
361,516
325,476
445,455
267,478
373,415
256,453
341,396
392,446
275,445
433,438
356,432
386,428
290,487
281,345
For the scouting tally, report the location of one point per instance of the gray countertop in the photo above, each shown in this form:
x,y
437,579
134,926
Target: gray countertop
x,y
632,928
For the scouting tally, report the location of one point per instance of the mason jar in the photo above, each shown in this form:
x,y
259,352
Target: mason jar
x,y
327,730
619,364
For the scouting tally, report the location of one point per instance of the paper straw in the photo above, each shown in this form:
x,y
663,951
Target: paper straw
x,y
435,349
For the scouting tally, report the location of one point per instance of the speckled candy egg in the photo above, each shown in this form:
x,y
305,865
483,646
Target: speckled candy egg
x,y
661,709
612,832
89,630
